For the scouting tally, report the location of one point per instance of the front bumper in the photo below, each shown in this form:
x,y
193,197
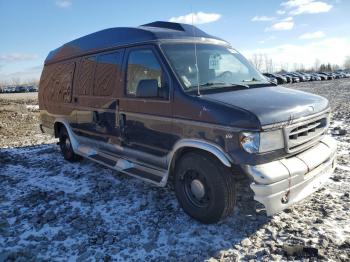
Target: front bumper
x,y
280,184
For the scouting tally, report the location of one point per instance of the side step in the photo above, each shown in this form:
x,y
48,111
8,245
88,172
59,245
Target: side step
x,y
107,161
143,173
146,173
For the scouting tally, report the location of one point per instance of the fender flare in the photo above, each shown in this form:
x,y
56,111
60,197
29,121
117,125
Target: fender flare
x,y
203,145
72,137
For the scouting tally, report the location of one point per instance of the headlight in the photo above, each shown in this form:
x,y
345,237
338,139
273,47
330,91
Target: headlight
x,y
260,142
250,141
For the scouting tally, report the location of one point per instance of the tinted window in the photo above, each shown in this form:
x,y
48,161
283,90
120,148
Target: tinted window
x,y
56,82
86,75
107,72
143,65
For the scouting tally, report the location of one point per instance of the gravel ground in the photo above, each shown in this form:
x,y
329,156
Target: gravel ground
x,y
58,211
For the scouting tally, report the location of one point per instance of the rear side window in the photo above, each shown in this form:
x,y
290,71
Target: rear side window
x,y
107,72
143,65
85,77
56,82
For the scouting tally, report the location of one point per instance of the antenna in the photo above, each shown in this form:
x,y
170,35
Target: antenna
x,y
195,55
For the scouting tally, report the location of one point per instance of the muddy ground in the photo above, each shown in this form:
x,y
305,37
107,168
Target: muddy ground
x,y
51,210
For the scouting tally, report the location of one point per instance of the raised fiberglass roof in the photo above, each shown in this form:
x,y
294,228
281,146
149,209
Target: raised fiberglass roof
x,y
119,36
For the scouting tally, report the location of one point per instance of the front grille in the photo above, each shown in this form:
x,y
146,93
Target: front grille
x,y
302,134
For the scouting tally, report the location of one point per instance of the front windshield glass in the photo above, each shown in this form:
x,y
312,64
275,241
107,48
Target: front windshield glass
x,y
219,67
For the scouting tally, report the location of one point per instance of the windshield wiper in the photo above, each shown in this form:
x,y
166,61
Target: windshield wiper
x,y
258,81
209,84
238,85
251,80
221,84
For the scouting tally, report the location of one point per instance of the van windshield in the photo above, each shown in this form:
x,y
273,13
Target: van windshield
x,y
219,67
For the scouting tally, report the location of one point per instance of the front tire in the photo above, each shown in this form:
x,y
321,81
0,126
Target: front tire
x,y
66,146
204,187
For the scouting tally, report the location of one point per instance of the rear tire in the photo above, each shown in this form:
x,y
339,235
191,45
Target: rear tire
x,y
66,146
204,187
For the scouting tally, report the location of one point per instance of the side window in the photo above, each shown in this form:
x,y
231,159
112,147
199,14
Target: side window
x,y
107,70
85,77
143,65
57,82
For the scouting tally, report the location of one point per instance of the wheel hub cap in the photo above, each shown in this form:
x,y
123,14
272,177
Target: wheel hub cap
x,y
67,142
197,188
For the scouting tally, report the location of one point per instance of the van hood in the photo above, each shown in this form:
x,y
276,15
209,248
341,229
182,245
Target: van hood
x,y
272,104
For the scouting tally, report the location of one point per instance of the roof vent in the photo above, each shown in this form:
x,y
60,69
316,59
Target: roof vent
x,y
167,25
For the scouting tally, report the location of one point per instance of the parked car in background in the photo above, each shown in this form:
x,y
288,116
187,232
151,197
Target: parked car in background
x,y
300,78
324,75
312,77
321,77
339,75
289,78
295,79
329,75
306,76
271,80
21,89
303,78
280,79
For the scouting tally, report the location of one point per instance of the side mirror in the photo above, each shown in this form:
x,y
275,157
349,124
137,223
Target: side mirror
x,y
147,88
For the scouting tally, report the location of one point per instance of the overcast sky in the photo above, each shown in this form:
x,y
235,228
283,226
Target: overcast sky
x,y
289,31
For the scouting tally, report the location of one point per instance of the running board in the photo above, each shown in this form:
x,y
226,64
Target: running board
x,y
145,173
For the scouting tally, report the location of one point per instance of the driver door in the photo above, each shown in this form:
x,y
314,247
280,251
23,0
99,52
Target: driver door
x,y
146,122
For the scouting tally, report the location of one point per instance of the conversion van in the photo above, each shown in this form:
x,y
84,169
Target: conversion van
x,y
166,101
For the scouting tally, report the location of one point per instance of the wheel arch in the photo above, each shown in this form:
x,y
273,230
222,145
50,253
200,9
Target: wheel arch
x,y
59,123
186,146
57,127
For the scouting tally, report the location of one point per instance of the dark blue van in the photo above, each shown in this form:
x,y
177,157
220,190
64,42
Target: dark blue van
x,y
166,101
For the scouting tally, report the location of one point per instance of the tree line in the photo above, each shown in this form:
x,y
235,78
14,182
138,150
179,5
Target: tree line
x,y
16,81
265,64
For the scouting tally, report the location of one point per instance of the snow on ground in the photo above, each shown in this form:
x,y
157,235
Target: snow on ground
x,y
55,210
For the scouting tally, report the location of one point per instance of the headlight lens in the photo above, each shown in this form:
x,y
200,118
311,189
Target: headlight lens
x,y
260,142
271,140
250,141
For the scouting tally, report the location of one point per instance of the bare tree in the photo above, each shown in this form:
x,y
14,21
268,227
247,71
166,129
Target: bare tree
x,y
285,67
269,66
317,64
335,67
347,62
257,61
263,63
32,82
15,81
3,83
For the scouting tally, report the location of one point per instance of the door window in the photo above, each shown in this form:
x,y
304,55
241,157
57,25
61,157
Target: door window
x,y
85,79
143,65
107,72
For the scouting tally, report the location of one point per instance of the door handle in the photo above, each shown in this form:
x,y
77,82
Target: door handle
x,y
95,117
122,121
75,99
122,126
